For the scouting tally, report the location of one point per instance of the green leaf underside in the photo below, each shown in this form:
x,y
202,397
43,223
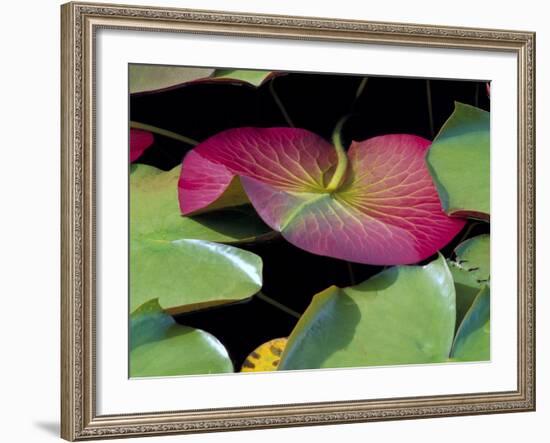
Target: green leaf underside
x,y
144,78
155,212
174,258
160,347
459,161
472,342
404,315
253,77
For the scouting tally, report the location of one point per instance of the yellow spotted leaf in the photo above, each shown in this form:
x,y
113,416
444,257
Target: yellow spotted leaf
x,y
265,357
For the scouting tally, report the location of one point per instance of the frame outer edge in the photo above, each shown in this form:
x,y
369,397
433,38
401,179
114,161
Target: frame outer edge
x,y
530,202
533,132
68,380
526,222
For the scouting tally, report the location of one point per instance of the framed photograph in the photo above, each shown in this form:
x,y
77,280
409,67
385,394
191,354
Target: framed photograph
x,y
282,221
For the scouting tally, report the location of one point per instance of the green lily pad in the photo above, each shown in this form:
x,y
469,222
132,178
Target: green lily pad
x,y
459,161
155,212
160,347
474,256
473,338
251,76
404,315
172,257
188,274
148,323
471,272
153,77
466,288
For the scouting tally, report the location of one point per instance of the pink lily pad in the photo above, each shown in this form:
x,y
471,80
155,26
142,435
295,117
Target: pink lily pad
x,y
385,211
139,141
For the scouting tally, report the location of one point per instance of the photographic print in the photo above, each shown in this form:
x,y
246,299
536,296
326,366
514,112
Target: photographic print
x,y
289,220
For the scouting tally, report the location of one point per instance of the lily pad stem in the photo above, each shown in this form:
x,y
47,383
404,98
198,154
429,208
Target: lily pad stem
x,y
278,305
341,156
280,103
163,132
361,88
430,110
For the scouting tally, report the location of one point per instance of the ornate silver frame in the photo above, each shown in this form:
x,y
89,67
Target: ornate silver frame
x,y
79,24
